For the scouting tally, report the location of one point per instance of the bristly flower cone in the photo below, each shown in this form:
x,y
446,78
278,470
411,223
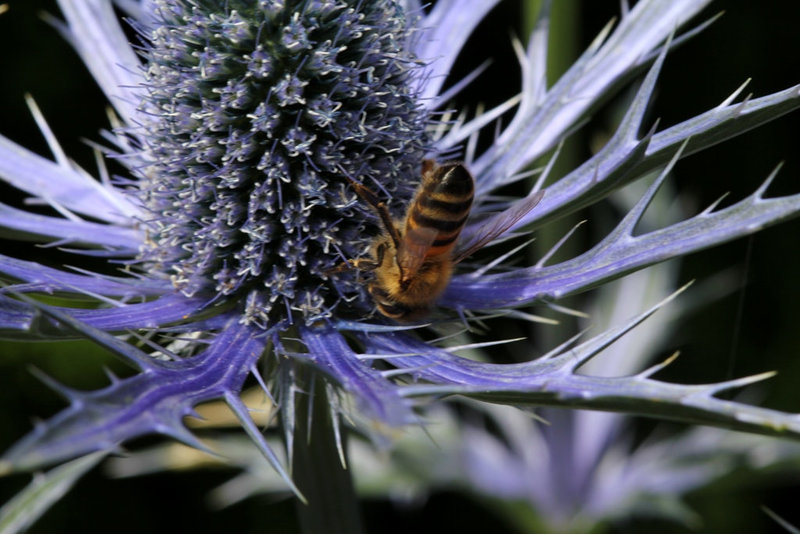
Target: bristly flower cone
x,y
258,111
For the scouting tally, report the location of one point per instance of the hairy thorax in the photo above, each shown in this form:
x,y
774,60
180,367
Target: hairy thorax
x,y
407,295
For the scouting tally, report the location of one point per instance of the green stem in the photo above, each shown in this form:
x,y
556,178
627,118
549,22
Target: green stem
x,y
332,505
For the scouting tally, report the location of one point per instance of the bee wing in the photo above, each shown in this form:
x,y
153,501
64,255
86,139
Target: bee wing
x,y
497,225
412,252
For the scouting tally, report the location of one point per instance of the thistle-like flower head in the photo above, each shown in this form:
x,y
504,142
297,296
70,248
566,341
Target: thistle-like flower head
x,y
242,128
255,116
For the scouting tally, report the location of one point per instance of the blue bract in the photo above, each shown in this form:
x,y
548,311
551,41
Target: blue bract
x,y
242,125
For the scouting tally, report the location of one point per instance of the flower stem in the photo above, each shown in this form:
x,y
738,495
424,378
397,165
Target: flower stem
x,y
317,470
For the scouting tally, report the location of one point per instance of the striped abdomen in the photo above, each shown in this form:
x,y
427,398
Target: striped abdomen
x,y
440,208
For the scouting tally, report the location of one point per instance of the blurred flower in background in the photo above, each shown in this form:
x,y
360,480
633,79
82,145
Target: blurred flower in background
x,y
225,197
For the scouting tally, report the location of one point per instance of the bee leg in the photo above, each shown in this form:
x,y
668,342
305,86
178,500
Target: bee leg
x,y
383,212
427,166
380,252
362,264
342,267
369,264
365,265
364,192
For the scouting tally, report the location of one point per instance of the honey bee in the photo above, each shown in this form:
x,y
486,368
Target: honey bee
x,y
413,260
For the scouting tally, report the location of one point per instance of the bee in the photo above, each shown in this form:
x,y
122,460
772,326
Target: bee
x,y
413,260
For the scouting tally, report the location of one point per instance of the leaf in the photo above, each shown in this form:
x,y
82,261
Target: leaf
x,y
44,490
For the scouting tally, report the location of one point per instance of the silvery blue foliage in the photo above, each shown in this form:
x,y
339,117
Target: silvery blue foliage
x,y
240,125
562,470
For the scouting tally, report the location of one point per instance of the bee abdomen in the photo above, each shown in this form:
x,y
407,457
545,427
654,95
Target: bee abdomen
x,y
442,204
452,180
447,206
441,222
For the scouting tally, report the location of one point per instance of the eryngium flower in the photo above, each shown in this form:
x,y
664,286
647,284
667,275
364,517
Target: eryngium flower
x,y
254,116
240,126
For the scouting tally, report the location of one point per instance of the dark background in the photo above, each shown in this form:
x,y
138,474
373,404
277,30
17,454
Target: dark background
x,y
748,331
